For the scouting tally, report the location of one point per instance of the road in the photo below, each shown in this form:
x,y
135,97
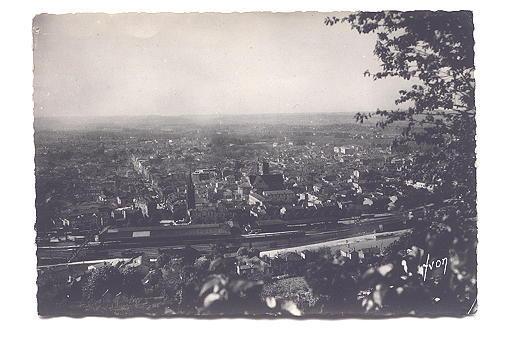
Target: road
x,y
380,240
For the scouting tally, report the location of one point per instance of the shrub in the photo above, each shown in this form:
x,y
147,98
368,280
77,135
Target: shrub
x,y
101,280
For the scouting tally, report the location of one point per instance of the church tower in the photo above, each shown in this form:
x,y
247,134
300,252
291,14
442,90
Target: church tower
x,y
263,167
190,192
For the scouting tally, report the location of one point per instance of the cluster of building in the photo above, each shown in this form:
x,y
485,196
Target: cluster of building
x,y
87,184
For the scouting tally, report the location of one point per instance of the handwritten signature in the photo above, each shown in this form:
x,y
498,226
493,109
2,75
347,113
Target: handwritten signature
x,y
433,265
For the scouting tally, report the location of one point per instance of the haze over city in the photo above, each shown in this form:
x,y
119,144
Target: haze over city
x,y
90,65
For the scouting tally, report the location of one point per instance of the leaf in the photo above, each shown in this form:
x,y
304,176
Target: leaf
x,y
271,302
291,308
385,269
212,283
378,295
211,299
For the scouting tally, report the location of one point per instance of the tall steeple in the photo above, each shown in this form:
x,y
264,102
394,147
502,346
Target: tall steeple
x,y
190,192
263,167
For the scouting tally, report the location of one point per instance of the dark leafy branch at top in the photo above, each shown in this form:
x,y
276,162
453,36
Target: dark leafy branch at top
x,y
434,49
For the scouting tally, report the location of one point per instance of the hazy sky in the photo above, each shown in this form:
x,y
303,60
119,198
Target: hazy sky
x,y
172,64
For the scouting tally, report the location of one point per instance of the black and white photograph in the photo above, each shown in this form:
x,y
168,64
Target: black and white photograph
x,y
258,165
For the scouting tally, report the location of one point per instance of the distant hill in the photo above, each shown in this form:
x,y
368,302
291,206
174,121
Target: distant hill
x,y
155,121
101,122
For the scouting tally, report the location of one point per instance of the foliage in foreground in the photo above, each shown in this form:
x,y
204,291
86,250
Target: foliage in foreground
x,y
435,51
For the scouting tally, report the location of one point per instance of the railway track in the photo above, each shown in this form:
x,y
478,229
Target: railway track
x,y
263,241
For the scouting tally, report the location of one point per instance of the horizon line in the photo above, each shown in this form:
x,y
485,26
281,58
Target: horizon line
x,y
202,114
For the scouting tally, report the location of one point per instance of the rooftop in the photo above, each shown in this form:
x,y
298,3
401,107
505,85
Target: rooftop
x,y
167,231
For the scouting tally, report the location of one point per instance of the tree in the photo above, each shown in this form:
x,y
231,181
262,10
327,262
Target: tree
x,y
253,252
217,250
221,294
164,257
103,279
434,51
132,282
242,252
189,255
202,264
335,283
